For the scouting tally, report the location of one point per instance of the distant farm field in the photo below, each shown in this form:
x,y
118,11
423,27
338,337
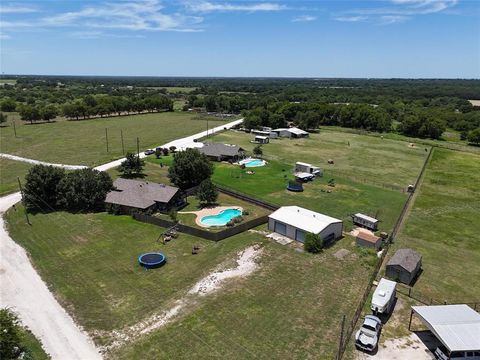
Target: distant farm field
x,y
84,142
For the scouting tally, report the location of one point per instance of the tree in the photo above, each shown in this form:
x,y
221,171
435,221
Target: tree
x,y
8,105
83,190
40,190
132,166
48,112
257,150
189,168
29,113
3,118
207,192
474,136
313,243
11,346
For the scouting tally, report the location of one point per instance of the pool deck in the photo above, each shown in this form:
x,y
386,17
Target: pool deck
x,y
208,211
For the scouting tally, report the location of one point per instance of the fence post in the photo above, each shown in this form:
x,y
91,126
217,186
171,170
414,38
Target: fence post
x,y
340,342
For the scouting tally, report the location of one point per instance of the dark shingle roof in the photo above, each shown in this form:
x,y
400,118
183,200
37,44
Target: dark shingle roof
x,y
406,258
139,194
216,149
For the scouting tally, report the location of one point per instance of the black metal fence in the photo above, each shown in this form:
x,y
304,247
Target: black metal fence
x,y
346,333
214,236
247,198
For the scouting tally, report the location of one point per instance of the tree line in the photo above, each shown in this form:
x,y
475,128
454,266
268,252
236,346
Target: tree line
x,y
91,106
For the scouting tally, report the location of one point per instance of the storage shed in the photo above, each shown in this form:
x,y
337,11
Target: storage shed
x,y
404,265
365,221
294,222
259,139
301,167
367,239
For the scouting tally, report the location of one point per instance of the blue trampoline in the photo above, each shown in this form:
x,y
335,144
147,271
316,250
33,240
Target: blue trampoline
x,y
152,260
295,187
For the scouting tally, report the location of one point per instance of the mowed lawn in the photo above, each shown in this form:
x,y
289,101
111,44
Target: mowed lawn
x,y
358,157
444,226
269,183
9,171
83,142
287,309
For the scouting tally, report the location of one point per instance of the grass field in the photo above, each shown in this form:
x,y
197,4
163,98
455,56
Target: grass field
x,y
361,158
444,227
279,310
9,170
83,142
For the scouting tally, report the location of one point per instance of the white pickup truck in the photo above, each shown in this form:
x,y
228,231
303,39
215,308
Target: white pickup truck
x,y
383,298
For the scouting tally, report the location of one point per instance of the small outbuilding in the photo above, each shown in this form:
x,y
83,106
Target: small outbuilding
x,y
294,222
301,167
292,132
259,139
367,239
457,327
404,266
365,221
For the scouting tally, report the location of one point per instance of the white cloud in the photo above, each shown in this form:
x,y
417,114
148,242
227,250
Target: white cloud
x,y
351,18
15,9
304,18
4,36
392,19
134,15
207,6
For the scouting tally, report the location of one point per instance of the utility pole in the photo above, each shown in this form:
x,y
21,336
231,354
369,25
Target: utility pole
x,y
138,148
21,192
14,128
123,146
106,137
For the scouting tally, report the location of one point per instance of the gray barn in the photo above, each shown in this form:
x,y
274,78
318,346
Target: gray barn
x,y
294,222
404,266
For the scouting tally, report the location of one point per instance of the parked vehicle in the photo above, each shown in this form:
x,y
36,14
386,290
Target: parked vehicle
x,y
367,337
441,353
149,152
383,298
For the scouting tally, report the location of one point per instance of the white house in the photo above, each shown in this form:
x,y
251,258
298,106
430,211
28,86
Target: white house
x,y
294,222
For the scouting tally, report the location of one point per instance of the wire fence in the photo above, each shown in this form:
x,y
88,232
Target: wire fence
x,y
347,332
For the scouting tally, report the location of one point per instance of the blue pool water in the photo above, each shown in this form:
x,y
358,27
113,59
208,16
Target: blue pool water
x,y
222,218
255,163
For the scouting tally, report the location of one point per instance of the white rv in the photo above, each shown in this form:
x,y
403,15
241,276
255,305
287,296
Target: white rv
x,y
301,167
383,298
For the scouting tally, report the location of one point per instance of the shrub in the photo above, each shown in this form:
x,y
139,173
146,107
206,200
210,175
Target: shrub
x,y
11,346
245,212
40,190
158,152
207,192
237,219
313,243
230,223
165,151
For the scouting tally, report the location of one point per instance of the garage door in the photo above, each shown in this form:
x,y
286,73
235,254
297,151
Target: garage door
x,y
280,228
300,235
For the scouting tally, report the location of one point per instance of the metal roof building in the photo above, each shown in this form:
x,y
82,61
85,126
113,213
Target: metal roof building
x,y
457,327
294,222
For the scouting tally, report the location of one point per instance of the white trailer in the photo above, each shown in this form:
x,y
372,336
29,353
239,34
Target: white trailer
x,y
383,298
365,221
301,167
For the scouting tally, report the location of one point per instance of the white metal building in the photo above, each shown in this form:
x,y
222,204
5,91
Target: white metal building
x,y
307,168
457,327
294,222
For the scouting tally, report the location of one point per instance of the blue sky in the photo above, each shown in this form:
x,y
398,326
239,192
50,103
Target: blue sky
x,y
391,38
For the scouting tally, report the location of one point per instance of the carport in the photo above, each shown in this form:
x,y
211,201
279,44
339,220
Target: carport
x,y
457,327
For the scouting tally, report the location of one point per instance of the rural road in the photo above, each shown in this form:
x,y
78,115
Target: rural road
x,y
23,290
37,162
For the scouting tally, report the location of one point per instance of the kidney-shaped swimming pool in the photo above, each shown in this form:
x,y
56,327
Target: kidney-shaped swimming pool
x,y
221,219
